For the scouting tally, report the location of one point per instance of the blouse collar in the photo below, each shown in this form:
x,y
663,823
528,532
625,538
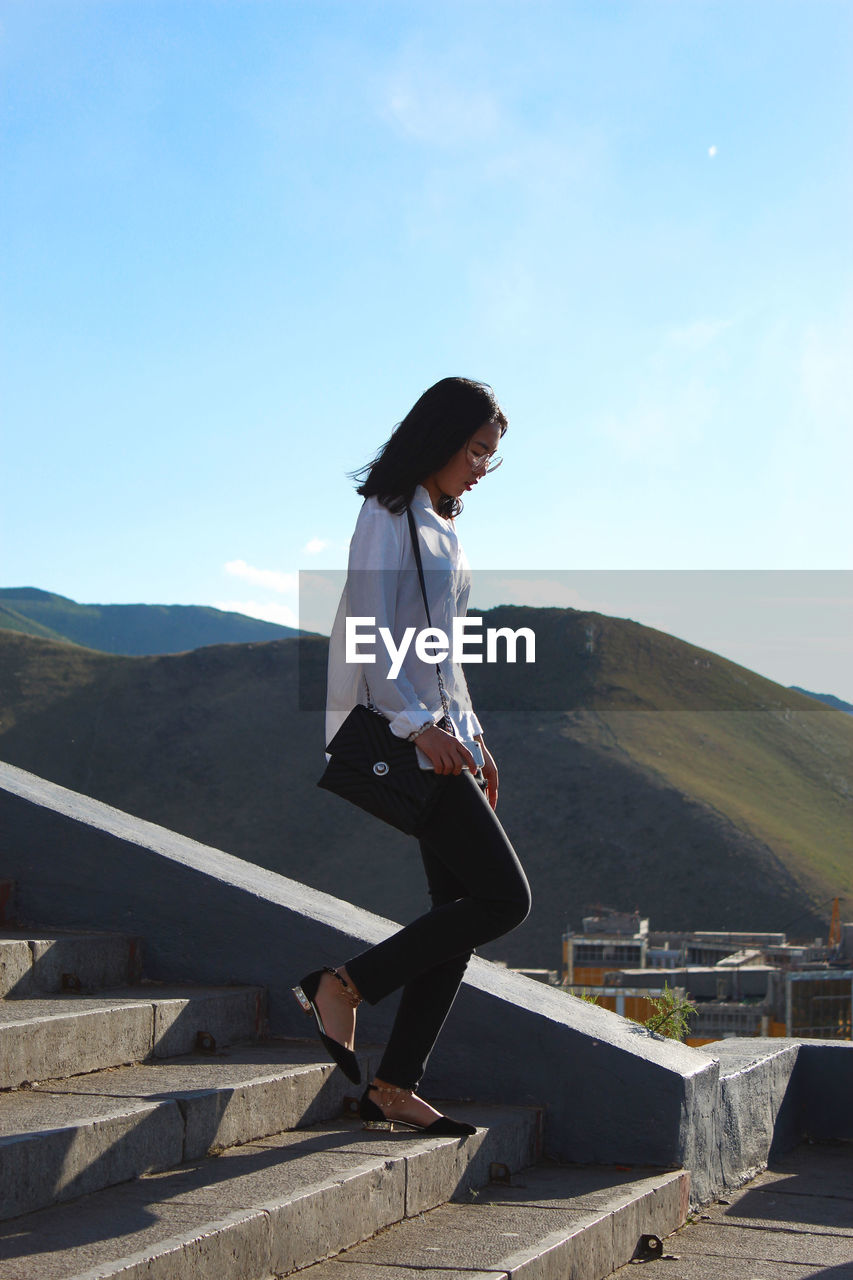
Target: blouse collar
x,y
421,496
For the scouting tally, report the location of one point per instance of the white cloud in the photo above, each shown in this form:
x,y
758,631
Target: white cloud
x,y
315,545
712,151
442,97
279,613
272,579
432,108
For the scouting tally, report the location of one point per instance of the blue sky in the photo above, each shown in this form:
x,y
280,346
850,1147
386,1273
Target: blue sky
x,y
240,238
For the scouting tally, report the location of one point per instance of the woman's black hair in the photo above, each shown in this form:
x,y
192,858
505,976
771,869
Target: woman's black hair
x,y
435,428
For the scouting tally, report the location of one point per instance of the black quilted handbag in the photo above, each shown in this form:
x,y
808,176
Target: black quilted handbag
x,y
373,768
379,772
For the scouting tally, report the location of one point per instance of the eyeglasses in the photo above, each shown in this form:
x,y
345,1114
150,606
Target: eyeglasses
x,y
484,462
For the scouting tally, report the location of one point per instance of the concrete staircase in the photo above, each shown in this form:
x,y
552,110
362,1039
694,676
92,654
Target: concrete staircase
x,y
150,1130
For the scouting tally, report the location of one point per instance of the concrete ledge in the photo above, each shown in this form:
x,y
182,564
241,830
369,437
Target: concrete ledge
x,y
16,962
67,1138
248,1093
463,1166
68,1160
555,1223
227,1015
92,960
775,1092
757,1109
70,1035
260,1105
302,1196
37,1045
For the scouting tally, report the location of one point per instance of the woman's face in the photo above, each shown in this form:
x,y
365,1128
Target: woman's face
x,y
459,474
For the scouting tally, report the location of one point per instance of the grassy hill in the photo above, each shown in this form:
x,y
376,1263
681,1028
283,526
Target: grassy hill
x,y
637,770
129,628
775,762
12,620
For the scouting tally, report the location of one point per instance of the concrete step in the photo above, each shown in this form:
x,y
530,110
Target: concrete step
x,y
54,960
553,1222
266,1208
66,1138
60,1036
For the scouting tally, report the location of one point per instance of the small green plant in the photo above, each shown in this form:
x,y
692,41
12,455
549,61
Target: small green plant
x,y
671,1016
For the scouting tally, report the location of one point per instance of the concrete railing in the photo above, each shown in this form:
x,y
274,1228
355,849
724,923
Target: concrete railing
x,y
612,1091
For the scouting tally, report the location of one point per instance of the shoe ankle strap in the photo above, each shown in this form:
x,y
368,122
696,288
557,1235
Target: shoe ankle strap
x,y
389,1094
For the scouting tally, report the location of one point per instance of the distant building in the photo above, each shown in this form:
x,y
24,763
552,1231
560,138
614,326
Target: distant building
x,y
614,941
742,984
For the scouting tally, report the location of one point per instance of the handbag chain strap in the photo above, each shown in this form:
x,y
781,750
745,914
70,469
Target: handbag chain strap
x,y
416,548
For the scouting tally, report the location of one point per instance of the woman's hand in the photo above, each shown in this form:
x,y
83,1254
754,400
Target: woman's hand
x,y
445,753
490,773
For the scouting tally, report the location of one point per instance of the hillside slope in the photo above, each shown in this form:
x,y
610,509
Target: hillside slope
x,y
636,771
12,620
133,629
775,762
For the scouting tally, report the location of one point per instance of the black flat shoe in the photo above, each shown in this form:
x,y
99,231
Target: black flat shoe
x,y
375,1118
306,994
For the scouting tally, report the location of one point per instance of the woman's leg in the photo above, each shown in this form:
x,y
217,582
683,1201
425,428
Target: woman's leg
x,y
424,1005
490,897
464,834
427,999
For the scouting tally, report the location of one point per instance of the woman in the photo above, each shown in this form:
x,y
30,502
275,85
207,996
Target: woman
x,y
444,446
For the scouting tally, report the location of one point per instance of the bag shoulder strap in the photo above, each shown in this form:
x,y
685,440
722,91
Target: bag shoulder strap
x,y
413,531
417,550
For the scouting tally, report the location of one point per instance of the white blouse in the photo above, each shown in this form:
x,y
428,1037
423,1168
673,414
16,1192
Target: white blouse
x,y
382,584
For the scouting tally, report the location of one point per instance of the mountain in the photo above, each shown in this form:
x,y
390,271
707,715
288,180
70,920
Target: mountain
x,y
132,629
635,770
829,698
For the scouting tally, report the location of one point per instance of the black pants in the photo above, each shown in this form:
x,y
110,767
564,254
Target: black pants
x,y
479,892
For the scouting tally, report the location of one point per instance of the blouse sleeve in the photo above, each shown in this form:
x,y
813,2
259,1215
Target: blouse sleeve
x,y
375,563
